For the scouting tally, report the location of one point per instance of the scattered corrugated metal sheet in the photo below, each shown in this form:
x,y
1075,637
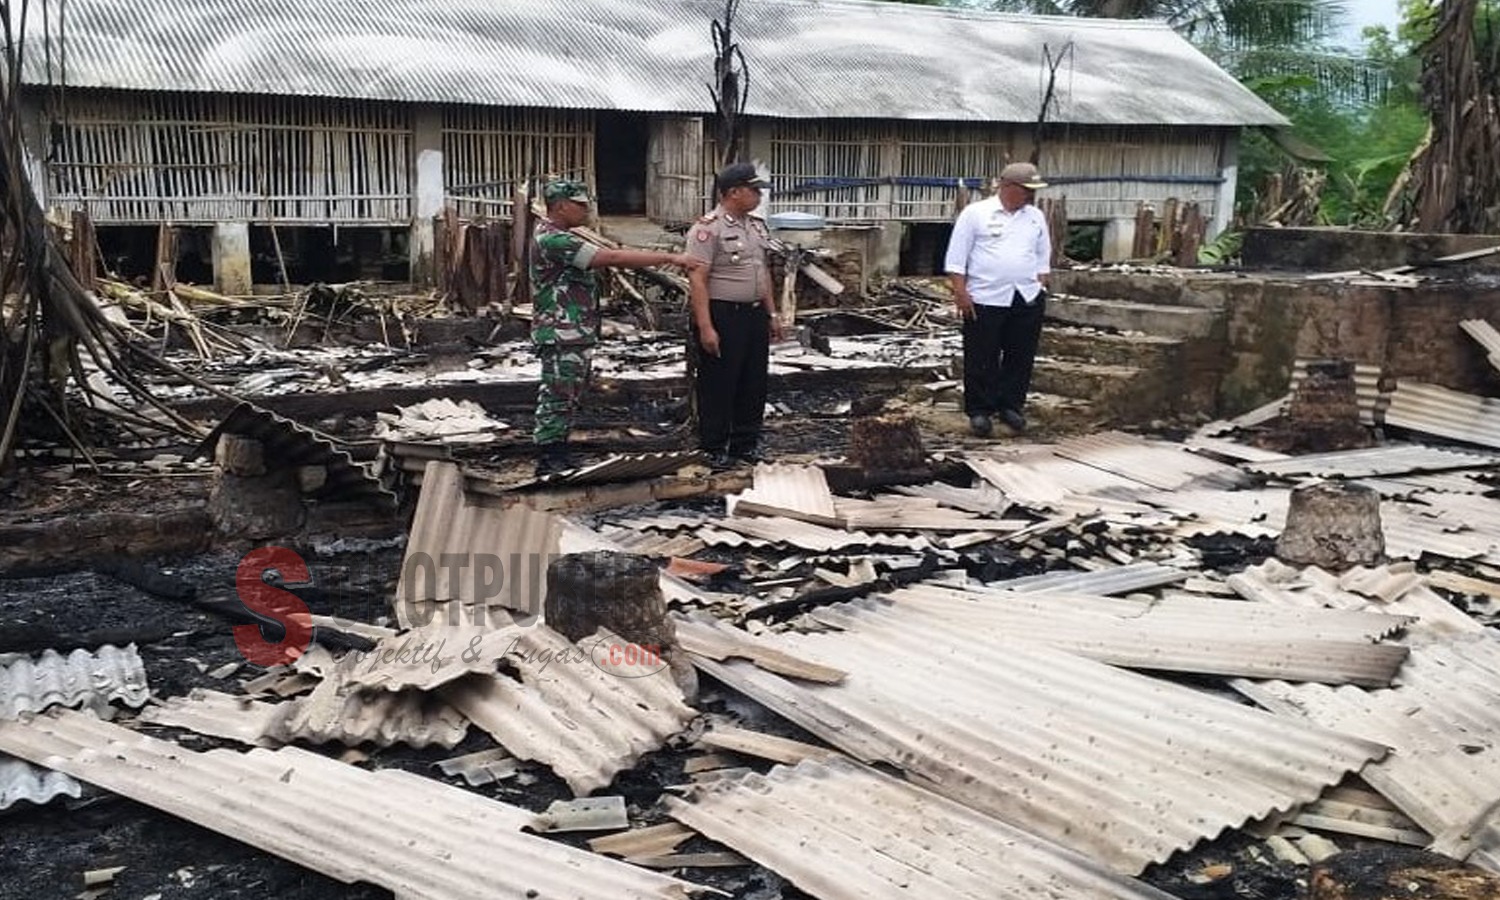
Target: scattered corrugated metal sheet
x,y
1038,479
1164,466
1367,393
1362,813
1393,459
1410,486
798,492
1253,513
218,714
415,836
876,836
808,536
288,443
1442,718
875,60
20,780
709,638
626,467
1487,337
1412,530
1275,582
566,707
1116,765
984,498
1203,442
1430,409
504,549
648,543
108,675
1216,637
339,712
1103,583
893,512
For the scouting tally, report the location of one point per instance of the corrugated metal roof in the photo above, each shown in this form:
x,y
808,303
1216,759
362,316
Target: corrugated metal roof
x,y
110,674
288,443
1393,459
894,512
1104,583
1436,410
1119,766
1442,718
237,718
521,540
1487,336
814,537
798,492
876,836
1159,464
338,712
415,836
562,708
984,498
20,780
1217,637
1038,479
825,59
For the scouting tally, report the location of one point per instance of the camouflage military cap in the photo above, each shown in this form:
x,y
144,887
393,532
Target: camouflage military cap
x,y
563,189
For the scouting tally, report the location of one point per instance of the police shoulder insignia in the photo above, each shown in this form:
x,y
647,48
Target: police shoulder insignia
x,y
702,237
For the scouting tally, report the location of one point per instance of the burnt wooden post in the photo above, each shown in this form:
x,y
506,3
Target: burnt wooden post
x,y
620,592
1334,526
887,443
248,499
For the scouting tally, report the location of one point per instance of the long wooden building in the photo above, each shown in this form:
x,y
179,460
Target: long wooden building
x,y
369,117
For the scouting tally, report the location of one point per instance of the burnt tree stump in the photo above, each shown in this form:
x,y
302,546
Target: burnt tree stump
x,y
1334,526
888,443
1323,414
246,500
619,592
1399,873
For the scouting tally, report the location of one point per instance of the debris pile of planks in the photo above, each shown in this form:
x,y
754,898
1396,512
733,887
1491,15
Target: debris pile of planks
x,y
1005,671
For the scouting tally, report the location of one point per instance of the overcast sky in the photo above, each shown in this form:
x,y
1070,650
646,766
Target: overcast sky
x,y
1370,12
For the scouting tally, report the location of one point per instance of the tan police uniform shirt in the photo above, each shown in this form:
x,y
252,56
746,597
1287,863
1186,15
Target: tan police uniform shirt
x,y
735,250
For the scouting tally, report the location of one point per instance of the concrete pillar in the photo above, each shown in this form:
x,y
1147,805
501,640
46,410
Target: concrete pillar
x,y
885,256
428,192
231,252
1229,170
1119,240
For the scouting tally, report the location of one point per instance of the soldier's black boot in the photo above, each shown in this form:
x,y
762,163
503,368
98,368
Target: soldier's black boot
x,y
553,459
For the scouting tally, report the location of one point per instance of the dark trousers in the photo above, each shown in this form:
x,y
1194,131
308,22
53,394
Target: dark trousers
x,y
999,351
732,385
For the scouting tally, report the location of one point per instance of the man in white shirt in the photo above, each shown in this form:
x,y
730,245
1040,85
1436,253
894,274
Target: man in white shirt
x,y
998,261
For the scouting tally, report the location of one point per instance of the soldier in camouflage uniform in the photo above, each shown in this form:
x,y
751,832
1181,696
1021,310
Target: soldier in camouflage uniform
x,y
565,312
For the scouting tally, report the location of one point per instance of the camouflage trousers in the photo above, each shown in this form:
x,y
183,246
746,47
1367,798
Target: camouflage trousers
x,y
565,376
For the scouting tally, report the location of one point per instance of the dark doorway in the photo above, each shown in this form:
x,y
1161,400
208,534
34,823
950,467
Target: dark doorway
x,y
128,252
620,142
923,247
328,254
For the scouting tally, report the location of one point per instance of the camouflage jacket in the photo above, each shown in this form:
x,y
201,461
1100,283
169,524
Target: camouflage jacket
x,y
564,290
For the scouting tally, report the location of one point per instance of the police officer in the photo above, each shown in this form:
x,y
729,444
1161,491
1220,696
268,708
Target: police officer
x,y
565,312
734,319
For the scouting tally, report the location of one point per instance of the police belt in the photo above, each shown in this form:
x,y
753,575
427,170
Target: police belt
x,y
739,304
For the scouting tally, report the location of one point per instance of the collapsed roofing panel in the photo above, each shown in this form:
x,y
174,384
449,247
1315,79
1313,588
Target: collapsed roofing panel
x,y
1103,583
1119,766
108,675
1219,637
877,836
567,708
20,780
1441,718
799,492
1435,410
1159,464
1392,459
419,838
626,467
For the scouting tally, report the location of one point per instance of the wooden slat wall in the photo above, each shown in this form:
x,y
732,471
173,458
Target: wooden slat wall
x,y
131,158
801,151
488,152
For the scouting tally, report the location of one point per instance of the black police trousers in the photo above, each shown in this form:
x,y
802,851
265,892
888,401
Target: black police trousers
x,y
732,385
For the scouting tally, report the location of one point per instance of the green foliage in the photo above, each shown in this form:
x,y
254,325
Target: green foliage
x,y
1221,249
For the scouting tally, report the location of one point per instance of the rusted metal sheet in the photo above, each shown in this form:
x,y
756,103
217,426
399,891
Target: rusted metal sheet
x,y
1396,459
288,443
874,61
20,780
415,836
1430,409
1217,637
80,678
1442,718
1120,766
876,836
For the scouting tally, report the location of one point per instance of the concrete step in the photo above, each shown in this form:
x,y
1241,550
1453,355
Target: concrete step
x,y
1144,351
1180,322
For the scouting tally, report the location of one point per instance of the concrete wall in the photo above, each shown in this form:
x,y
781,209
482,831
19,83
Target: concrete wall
x,y
1339,249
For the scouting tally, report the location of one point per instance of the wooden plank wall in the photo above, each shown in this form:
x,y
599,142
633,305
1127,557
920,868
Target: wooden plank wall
x,y
137,158
488,152
803,151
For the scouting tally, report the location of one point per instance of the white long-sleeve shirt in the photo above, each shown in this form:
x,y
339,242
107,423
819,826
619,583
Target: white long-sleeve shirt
x,y
999,252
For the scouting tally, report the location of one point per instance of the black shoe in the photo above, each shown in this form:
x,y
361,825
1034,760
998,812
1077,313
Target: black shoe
x,y
750,455
554,459
1013,420
719,461
980,424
